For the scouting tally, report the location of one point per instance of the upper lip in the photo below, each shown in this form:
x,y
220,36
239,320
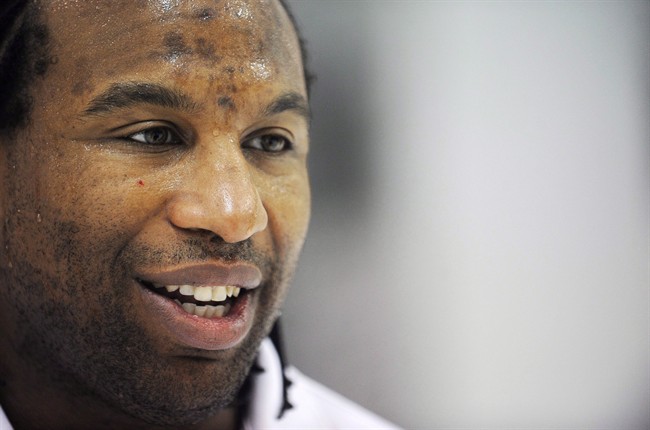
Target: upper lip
x,y
244,275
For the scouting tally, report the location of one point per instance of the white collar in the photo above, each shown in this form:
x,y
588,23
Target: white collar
x,y
267,394
4,422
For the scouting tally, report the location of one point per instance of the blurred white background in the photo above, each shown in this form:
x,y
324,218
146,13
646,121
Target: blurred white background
x,y
479,247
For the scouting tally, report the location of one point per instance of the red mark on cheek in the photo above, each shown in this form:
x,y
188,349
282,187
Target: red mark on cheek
x,y
140,183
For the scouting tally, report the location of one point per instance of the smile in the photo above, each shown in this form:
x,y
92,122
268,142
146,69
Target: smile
x,y
209,306
202,301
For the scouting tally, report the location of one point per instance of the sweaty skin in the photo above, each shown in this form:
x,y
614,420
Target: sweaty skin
x,y
164,133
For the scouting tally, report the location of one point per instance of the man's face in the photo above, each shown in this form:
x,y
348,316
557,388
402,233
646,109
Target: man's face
x,y
167,147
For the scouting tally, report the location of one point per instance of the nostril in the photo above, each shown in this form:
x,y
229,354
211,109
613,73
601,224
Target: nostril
x,y
216,239
205,235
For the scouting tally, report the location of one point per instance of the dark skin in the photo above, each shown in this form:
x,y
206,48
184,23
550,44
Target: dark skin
x,y
164,134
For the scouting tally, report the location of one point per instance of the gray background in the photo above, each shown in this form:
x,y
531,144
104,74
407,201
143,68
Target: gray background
x,y
479,247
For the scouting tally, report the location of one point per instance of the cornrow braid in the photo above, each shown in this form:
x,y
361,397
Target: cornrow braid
x,y
24,56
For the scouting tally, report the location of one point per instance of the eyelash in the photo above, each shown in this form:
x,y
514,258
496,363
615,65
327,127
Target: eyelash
x,y
271,143
171,137
268,143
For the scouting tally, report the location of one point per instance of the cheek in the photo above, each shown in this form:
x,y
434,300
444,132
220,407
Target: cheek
x,y
287,201
61,216
99,195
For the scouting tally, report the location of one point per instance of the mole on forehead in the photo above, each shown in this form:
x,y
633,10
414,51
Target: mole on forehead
x,y
259,41
226,102
175,44
205,14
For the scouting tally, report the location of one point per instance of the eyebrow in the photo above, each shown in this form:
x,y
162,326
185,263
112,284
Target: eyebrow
x,y
124,95
127,94
290,101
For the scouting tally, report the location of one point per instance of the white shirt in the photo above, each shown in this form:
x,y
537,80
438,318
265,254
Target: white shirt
x,y
315,407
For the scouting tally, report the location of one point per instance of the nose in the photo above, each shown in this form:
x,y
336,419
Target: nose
x,y
217,194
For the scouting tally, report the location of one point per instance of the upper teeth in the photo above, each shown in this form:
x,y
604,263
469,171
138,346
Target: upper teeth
x,y
205,294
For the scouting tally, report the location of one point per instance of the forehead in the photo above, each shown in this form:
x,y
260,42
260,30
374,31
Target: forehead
x,y
251,39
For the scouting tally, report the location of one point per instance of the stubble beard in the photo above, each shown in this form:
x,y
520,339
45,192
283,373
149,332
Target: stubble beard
x,y
102,354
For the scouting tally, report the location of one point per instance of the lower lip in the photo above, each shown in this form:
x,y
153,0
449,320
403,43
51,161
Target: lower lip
x,y
210,334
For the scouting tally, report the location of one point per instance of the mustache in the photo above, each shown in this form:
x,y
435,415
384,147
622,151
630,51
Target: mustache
x,y
199,250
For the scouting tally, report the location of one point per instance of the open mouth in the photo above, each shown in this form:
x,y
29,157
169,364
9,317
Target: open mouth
x,y
206,301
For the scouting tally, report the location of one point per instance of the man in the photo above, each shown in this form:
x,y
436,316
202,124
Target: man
x,y
155,199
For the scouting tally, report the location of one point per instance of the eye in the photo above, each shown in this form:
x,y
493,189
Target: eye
x,y
273,143
156,136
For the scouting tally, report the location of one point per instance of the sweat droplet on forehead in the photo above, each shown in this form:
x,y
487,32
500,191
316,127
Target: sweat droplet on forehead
x,y
261,69
248,32
165,5
238,9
